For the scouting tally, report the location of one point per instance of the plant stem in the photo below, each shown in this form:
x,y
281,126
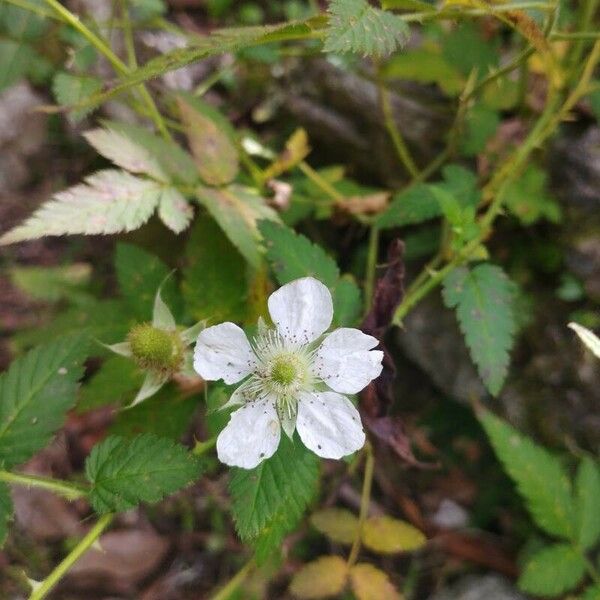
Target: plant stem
x,y
365,499
70,491
319,181
232,585
371,265
203,447
42,590
390,124
591,568
74,21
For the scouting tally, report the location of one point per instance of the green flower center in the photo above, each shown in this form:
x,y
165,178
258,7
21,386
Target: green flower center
x,y
155,349
284,370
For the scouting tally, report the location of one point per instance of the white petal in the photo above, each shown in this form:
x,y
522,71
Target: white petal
x,y
302,310
345,361
251,436
329,424
223,352
589,338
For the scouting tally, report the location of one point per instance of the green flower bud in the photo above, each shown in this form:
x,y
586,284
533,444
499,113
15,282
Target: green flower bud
x,y
156,349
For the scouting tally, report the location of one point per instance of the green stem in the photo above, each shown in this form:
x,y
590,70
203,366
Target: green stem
x,y
203,447
128,35
371,265
118,65
44,588
70,491
400,146
234,583
320,182
365,499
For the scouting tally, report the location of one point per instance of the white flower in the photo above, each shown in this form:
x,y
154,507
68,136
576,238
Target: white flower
x,y
589,338
294,378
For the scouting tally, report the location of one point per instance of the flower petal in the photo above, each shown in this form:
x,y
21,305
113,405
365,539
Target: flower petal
x,y
329,424
302,310
345,361
223,352
251,436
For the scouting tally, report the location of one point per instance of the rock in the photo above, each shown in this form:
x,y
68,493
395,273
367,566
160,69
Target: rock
x,y
480,587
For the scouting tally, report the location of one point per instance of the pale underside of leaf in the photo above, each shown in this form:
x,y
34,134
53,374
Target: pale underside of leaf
x,y
109,201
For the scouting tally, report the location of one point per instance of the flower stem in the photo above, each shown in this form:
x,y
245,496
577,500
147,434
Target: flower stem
x,y
202,447
232,585
70,491
44,588
365,499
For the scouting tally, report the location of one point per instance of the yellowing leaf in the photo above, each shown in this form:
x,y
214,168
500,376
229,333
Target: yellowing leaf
x,y
322,578
338,524
369,583
214,152
296,150
388,536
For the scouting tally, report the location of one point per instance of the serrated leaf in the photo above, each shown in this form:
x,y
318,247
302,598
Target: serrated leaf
x,y
6,511
483,298
109,202
321,578
587,502
338,524
292,255
591,593
415,205
214,281
140,274
347,302
540,477
387,535
124,152
276,492
237,211
35,393
124,472
174,210
69,90
115,382
356,26
213,149
172,158
553,571
369,583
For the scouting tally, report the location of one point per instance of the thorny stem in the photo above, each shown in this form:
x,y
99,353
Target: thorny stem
x,y
232,585
73,20
70,491
44,588
371,265
365,499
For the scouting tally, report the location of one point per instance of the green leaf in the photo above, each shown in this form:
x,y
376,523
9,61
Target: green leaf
x,y
6,511
35,393
481,124
552,571
271,499
140,274
124,152
114,383
483,298
174,210
587,502
16,59
109,202
347,302
466,48
540,477
356,26
292,255
211,141
412,5
51,284
415,205
70,90
124,472
214,282
527,197
166,414
591,593
172,158
237,210
462,184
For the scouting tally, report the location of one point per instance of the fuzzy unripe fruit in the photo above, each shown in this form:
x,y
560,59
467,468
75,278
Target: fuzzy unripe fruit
x,y
156,349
